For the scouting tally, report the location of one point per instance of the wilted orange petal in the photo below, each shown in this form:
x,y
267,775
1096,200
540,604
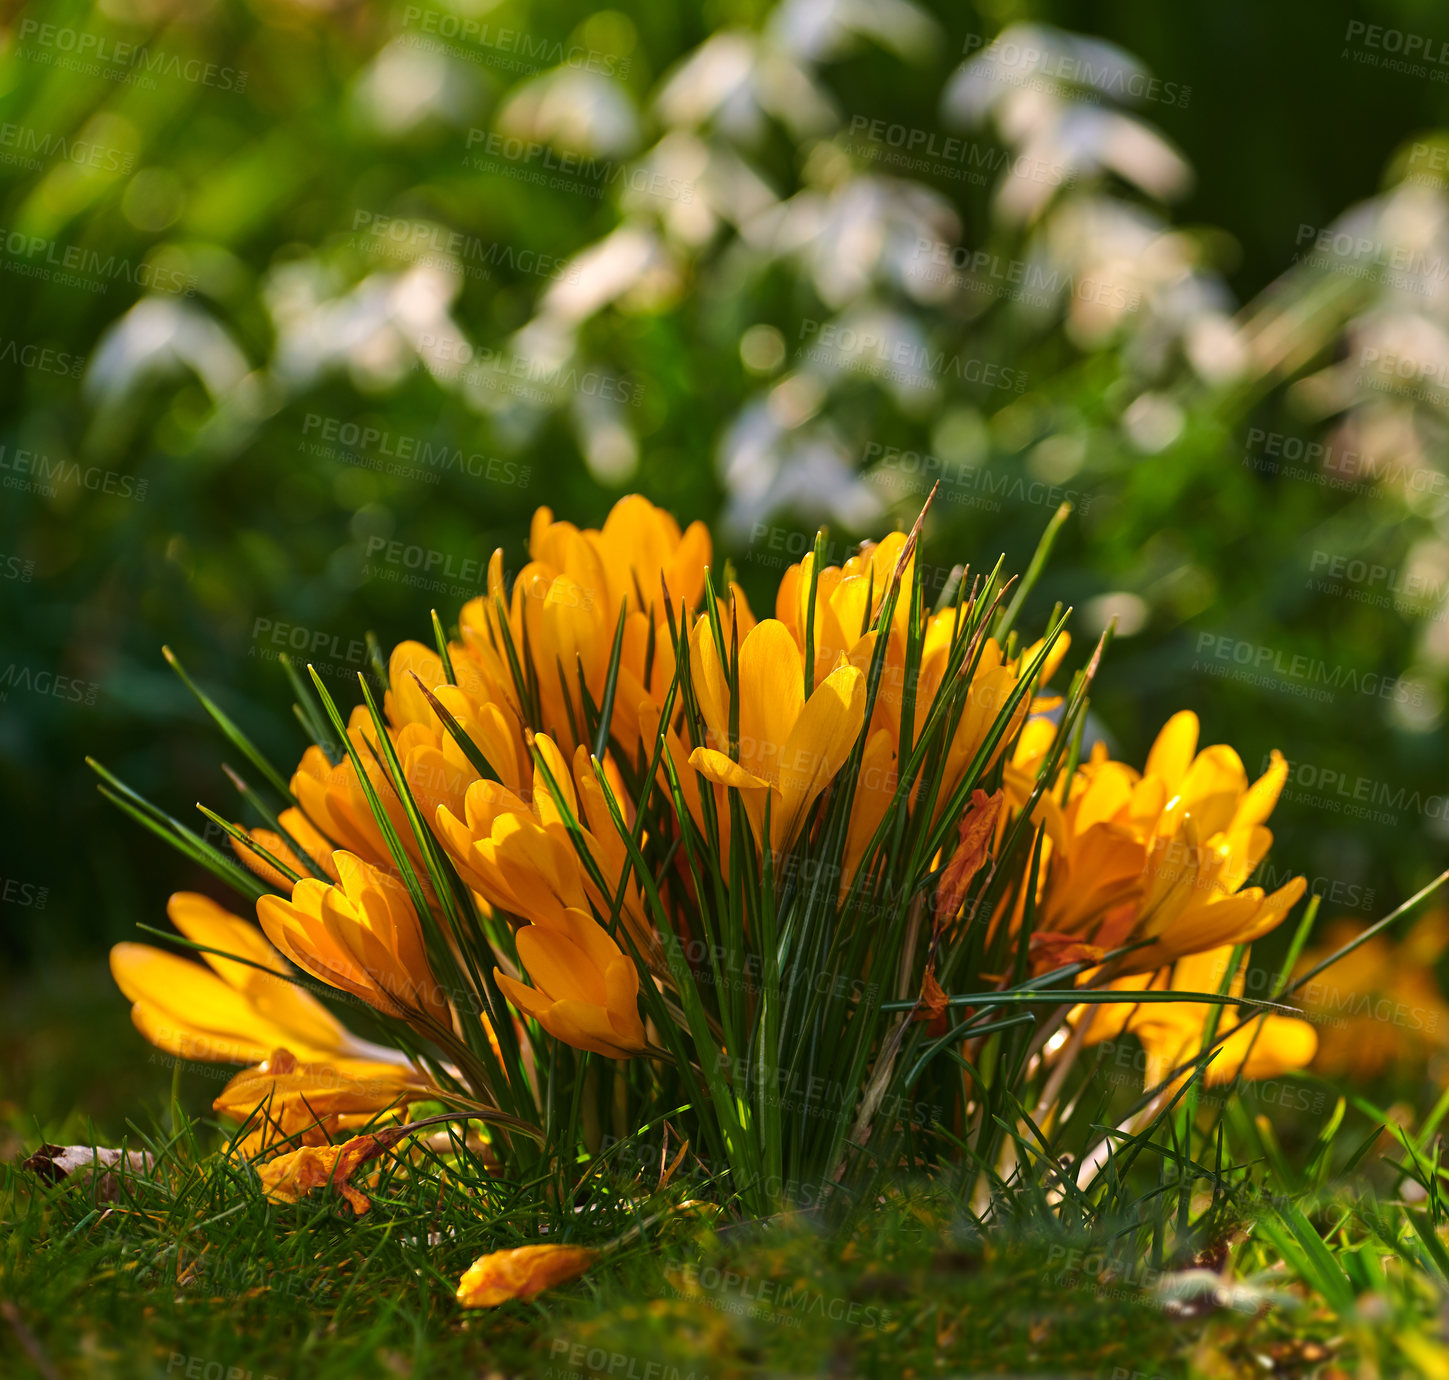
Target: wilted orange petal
x,y
978,825
521,1273
286,1178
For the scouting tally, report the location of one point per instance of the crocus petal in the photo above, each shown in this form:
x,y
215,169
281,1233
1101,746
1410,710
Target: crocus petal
x,y
521,1273
817,747
1173,750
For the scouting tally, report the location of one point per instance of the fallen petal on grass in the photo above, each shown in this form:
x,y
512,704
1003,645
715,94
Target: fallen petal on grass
x,y
523,1272
288,1177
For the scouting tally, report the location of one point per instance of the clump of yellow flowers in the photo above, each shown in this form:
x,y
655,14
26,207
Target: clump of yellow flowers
x,y
837,889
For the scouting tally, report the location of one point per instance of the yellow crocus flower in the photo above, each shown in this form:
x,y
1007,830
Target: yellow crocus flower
x,y
585,990
221,1010
360,935
790,748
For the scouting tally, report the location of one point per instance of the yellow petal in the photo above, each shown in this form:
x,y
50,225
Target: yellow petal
x,y
724,772
772,694
817,747
1173,751
521,1273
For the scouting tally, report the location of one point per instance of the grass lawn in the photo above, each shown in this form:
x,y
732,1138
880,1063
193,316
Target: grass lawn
x,y
1262,1269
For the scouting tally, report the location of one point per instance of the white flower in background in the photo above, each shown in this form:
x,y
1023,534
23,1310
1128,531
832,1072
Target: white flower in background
x,y
696,189
159,338
1057,128
775,458
827,30
738,82
601,428
1360,324
605,274
1035,57
867,230
405,86
376,331
885,346
573,109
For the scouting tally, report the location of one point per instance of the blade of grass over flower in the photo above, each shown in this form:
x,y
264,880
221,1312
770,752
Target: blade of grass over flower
x,y
242,837
1210,1039
1007,620
1068,734
502,632
457,732
233,734
1295,947
273,822
405,870
1364,936
716,624
376,660
444,655
969,781
611,685
692,1008
817,555
453,898
476,1054
1107,996
915,635
308,714
177,834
